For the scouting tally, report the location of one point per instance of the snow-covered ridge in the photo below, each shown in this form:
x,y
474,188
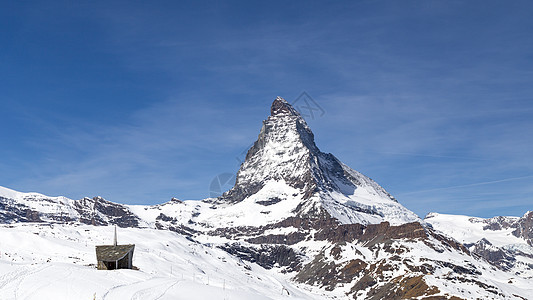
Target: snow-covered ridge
x,y
499,240
34,207
8,193
472,229
16,195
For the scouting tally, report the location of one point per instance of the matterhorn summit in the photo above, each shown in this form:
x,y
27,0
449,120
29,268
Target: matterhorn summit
x,y
285,167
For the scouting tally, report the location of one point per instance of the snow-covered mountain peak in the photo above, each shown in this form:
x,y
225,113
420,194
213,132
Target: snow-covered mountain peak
x,y
285,151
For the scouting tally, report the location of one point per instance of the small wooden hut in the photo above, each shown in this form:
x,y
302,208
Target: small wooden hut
x,y
111,257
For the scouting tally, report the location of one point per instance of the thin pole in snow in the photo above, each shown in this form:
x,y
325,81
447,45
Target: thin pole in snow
x,y
115,240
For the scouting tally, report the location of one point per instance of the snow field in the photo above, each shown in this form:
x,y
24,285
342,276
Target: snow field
x,y
57,262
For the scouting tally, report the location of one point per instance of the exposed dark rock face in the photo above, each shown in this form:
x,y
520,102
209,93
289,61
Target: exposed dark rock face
x,y
496,256
301,224
464,270
284,126
95,211
98,211
449,243
266,256
499,223
340,233
525,228
164,222
166,218
380,233
270,201
371,234
12,212
284,239
328,274
285,150
404,287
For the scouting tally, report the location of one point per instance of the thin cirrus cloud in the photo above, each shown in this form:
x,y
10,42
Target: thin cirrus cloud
x,y
422,152
154,154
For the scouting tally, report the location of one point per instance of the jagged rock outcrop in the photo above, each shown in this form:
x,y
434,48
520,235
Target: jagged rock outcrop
x,y
524,228
495,255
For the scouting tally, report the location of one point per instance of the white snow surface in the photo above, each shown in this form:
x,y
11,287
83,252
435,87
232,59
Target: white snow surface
x,y
9,193
245,213
53,261
470,230
369,196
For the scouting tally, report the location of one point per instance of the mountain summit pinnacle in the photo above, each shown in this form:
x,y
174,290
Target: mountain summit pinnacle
x,y
280,106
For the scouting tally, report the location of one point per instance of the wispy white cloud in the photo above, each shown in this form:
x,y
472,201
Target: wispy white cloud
x,y
467,185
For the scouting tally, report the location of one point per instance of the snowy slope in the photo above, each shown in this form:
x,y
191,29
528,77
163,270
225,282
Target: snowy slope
x,y
497,239
41,261
36,201
8,193
469,230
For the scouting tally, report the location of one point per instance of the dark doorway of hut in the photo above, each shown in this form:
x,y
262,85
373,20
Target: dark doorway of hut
x,y
110,265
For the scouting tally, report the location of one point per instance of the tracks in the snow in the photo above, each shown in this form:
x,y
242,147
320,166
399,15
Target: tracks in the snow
x,y
145,290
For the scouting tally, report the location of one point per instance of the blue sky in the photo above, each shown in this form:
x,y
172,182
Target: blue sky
x,y
143,101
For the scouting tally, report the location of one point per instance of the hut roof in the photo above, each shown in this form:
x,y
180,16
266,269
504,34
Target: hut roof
x,y
112,253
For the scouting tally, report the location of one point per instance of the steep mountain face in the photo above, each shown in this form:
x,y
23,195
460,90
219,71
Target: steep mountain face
x,y
297,211
285,153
